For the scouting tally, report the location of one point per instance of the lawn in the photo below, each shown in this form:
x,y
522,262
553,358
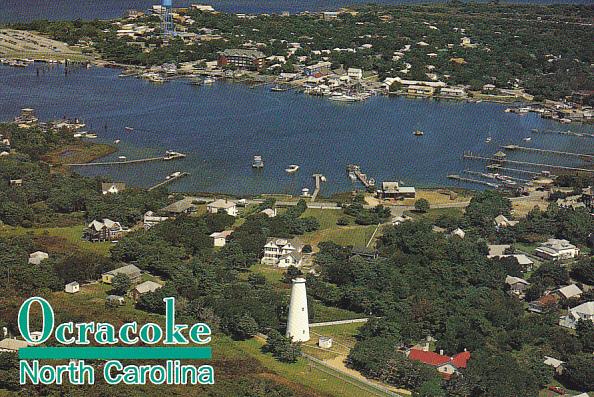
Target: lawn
x,y
71,237
435,213
323,313
343,340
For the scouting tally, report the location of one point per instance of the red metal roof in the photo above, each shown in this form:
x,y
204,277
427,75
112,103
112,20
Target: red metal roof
x,y
459,360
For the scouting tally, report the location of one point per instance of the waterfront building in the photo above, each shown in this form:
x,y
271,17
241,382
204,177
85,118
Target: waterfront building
x,y
355,73
183,206
320,68
228,206
393,190
242,59
455,92
420,90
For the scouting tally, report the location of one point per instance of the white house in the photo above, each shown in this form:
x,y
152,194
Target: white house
x,y
569,291
269,212
502,221
37,257
557,249
150,219
72,287
584,312
144,288
355,73
459,232
112,188
228,206
220,238
282,252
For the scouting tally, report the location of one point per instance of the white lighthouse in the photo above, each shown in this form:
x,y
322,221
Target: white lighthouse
x,y
298,322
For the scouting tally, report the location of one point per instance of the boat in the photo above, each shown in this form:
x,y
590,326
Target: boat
x,y
116,141
352,176
344,98
91,136
258,162
196,81
122,157
208,81
418,133
488,140
128,129
323,178
527,139
278,88
292,169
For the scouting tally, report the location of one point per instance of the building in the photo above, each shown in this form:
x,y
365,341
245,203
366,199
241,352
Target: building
x,y
107,230
113,188
583,312
228,206
329,15
37,257
115,300
150,219
72,287
242,59
502,221
320,68
10,345
399,220
220,238
325,342
557,250
298,319
543,304
27,117
183,206
454,92
282,252
129,270
354,73
144,288
269,212
568,292
420,90
16,182
447,366
517,285
555,363
393,190
202,7
458,232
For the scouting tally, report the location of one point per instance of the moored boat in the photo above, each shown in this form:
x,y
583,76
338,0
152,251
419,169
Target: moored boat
x,y
292,168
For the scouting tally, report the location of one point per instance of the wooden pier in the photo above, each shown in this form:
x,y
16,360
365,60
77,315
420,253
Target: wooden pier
x,y
587,157
166,181
369,183
470,156
124,162
493,176
499,167
318,178
471,180
568,132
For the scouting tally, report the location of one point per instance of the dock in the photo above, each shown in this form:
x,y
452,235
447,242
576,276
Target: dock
x,y
588,157
470,156
318,178
369,183
568,132
471,180
494,176
166,181
167,157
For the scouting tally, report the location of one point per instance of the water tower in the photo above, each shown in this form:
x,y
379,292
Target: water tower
x,y
298,322
167,18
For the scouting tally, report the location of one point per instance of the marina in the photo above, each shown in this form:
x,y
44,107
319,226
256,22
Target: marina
x,y
587,157
471,156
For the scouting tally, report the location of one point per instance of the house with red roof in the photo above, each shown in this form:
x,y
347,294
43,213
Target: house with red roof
x,y
446,365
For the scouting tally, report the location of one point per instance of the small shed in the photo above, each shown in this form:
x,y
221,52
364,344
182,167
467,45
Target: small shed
x,y
115,300
325,342
143,288
37,257
72,287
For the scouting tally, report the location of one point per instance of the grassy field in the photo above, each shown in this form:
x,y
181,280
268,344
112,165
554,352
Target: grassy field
x,y
82,152
62,237
343,340
435,213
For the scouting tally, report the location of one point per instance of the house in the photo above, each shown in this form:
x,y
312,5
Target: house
x,y
497,249
555,363
320,68
584,312
115,300
11,345
37,257
183,206
454,92
220,238
420,90
242,59
458,232
143,288
393,190
269,212
523,260
517,285
228,206
113,188
502,221
557,249
129,270
282,252
447,366
355,73
150,219
16,182
106,230
543,304
399,220
568,292
329,15
72,287
365,252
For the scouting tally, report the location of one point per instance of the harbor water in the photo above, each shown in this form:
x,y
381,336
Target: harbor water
x,y
222,126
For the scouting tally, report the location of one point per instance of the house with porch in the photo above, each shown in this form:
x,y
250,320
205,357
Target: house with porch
x,y
282,252
222,205
106,230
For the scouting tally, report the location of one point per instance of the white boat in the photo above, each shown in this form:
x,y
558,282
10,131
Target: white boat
x,y
122,157
488,140
208,81
128,129
116,141
344,98
91,136
258,162
418,133
292,169
528,139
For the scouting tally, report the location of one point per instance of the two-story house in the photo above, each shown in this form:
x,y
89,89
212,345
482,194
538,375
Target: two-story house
x,y
283,252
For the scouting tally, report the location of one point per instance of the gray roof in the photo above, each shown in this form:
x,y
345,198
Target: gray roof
x,y
12,344
129,270
117,185
238,52
147,286
180,206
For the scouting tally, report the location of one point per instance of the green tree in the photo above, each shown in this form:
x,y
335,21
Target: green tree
x,y
120,284
422,205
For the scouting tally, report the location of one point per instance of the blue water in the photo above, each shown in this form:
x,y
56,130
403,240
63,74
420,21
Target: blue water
x,y
27,10
223,126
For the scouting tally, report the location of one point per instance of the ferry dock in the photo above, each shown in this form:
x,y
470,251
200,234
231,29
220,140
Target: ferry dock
x,y
369,183
167,157
588,157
